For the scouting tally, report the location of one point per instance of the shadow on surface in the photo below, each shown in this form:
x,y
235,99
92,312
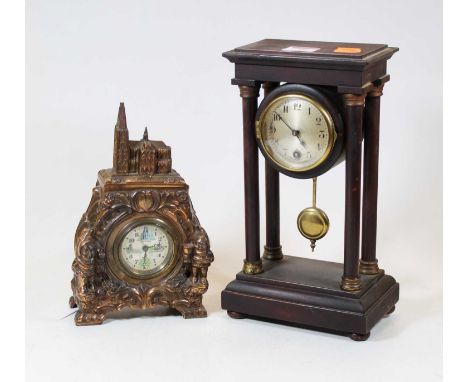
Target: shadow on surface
x,y
128,313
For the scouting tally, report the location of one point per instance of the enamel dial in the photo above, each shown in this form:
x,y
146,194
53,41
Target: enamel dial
x,y
146,249
296,132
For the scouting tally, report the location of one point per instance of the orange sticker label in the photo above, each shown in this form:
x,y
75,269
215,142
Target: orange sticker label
x,y
343,49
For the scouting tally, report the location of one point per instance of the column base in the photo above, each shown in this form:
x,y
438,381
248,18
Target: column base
x,y
252,268
351,284
272,253
369,267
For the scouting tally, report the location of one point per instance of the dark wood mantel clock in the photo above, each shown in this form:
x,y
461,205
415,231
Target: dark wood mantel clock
x,y
321,105
139,244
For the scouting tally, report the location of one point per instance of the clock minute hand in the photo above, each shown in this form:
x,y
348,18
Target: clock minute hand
x,y
296,133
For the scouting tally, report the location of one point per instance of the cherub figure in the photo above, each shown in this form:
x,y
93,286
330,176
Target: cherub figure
x,y
202,257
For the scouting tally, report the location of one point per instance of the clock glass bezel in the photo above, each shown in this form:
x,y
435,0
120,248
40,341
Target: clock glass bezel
x,y
262,126
328,105
117,264
152,271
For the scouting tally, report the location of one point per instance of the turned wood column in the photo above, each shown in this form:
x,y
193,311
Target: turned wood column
x,y
272,248
353,116
252,262
369,263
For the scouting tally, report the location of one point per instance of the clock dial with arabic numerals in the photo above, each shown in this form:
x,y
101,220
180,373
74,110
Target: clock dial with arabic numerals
x,y
297,132
146,249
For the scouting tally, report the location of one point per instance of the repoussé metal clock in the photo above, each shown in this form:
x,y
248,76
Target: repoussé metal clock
x,y
139,244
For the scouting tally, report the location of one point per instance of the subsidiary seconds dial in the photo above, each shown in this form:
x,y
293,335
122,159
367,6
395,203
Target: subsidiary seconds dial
x,y
146,249
296,132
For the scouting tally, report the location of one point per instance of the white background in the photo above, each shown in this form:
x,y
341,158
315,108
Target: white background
x,y
164,61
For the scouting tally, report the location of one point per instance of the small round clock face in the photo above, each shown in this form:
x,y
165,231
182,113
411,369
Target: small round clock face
x,y
146,249
296,132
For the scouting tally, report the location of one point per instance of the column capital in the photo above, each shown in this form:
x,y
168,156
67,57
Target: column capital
x,y
376,91
249,91
268,86
354,99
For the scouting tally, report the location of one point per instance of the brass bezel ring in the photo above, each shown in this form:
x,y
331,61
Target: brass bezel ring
x,y
116,264
260,131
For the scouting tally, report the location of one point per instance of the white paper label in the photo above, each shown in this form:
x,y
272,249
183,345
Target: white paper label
x,y
303,49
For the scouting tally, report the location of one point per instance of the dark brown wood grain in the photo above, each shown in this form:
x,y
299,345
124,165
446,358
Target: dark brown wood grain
x,y
306,292
353,117
272,249
370,182
249,96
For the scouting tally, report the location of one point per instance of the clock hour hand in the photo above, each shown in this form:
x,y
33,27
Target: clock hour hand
x,y
301,140
145,249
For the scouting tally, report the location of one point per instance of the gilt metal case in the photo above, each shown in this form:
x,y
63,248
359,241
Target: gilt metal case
x,y
141,187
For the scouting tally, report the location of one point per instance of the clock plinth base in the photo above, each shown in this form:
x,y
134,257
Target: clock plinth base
x,y
306,292
96,316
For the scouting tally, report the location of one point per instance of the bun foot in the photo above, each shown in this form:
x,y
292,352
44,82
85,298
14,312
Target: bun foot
x,y
359,337
72,302
236,315
392,309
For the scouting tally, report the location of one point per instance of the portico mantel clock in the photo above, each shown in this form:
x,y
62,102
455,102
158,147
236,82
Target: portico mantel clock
x,y
321,105
139,244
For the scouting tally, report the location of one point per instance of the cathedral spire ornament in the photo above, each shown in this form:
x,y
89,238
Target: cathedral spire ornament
x,y
121,147
143,157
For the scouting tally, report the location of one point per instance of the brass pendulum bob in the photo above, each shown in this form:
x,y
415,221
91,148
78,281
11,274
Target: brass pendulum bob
x,y
312,222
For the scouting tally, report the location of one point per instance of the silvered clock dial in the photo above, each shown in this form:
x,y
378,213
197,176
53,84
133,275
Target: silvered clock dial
x,y
299,131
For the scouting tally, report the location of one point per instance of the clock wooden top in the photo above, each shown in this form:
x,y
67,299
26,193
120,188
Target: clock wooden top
x,y
278,52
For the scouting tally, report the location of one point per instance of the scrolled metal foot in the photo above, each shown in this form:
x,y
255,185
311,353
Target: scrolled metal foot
x,y
72,302
88,318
